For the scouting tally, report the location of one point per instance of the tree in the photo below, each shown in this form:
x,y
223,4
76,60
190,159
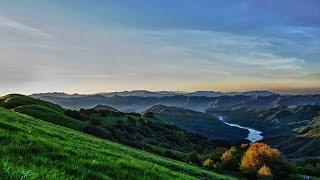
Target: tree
x,y
147,115
258,155
74,114
208,163
265,173
193,157
216,154
94,122
131,121
230,159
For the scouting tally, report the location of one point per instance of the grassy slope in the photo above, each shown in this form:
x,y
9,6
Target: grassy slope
x,y
154,136
32,148
39,109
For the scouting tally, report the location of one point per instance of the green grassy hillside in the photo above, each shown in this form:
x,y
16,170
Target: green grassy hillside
x,y
35,149
148,133
15,100
39,109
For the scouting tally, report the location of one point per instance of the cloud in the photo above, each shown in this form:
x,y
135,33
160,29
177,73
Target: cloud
x,y
272,62
228,52
19,27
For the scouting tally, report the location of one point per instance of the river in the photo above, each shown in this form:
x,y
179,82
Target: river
x,y
253,135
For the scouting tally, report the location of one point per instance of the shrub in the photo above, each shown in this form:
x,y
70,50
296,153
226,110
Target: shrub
x,y
147,115
230,159
226,158
309,169
74,114
171,155
193,157
265,173
216,154
95,122
208,163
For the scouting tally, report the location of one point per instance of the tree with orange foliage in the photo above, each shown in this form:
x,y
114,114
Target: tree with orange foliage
x,y
226,158
258,155
230,159
265,173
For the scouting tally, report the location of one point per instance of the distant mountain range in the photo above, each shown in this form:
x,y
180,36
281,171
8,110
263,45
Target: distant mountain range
x,y
139,101
145,93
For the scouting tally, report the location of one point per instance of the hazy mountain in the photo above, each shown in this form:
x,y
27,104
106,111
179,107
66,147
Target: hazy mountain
x,y
197,103
105,107
145,93
57,95
141,93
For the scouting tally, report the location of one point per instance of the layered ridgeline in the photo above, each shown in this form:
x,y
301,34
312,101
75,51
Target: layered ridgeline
x,y
200,123
140,131
139,102
35,149
293,130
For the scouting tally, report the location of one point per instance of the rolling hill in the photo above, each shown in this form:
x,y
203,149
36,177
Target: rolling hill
x,y
36,149
143,132
201,123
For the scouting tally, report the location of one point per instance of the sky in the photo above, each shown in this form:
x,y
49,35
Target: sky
x,y
90,46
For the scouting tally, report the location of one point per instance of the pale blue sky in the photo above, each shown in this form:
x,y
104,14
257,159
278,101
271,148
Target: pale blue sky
x,y
93,46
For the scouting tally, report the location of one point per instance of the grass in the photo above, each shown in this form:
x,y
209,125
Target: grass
x,y
35,149
12,101
149,133
50,115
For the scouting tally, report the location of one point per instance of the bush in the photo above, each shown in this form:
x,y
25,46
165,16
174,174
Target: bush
x,y
193,157
216,154
230,159
208,163
265,173
75,115
94,122
309,169
171,155
147,115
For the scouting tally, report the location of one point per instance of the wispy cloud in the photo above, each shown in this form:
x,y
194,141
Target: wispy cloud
x,y
272,62
230,53
23,28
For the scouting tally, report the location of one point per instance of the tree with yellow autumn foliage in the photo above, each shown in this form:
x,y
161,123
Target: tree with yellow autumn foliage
x,y
259,155
265,173
208,163
230,159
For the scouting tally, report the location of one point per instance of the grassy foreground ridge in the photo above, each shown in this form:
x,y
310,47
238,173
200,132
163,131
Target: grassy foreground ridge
x,y
34,149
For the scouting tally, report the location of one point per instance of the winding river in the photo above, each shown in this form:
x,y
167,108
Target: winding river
x,y
253,135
